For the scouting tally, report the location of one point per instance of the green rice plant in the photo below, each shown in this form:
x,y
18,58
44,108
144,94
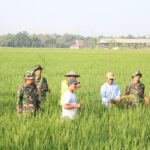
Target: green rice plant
x,y
95,126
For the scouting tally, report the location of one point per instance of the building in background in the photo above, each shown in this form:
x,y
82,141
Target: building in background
x,y
123,42
78,44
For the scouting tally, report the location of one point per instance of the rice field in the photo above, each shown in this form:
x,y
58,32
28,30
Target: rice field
x,y
95,127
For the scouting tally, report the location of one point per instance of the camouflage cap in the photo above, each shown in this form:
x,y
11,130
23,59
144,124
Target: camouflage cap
x,y
38,67
137,73
29,75
71,73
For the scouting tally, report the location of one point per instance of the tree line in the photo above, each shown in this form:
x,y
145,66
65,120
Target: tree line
x,y
23,39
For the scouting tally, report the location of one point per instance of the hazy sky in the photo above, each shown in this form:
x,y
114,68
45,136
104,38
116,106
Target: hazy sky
x,y
86,17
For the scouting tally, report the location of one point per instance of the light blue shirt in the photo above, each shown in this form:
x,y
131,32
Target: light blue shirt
x,y
109,92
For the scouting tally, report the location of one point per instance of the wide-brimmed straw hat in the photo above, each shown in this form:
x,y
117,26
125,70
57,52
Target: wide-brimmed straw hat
x,y
110,75
71,73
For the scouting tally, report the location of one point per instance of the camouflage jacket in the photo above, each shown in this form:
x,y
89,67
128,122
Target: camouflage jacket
x,y
42,86
27,97
136,89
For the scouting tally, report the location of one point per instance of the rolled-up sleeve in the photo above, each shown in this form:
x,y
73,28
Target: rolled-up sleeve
x,y
19,100
127,90
118,93
103,95
19,96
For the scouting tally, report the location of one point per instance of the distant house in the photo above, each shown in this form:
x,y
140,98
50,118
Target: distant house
x,y
119,42
104,42
75,46
78,44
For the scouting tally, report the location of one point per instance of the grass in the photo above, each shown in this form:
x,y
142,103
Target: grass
x,y
95,127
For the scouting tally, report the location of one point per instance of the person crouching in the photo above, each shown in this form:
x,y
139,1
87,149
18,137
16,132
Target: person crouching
x,y
110,91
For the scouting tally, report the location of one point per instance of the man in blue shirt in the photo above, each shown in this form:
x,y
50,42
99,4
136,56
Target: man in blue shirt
x,y
110,92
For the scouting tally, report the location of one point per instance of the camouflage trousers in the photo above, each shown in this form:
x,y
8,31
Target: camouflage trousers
x,y
28,108
42,98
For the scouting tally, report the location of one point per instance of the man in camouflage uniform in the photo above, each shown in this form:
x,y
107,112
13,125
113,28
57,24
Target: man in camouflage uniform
x,y
136,87
27,97
41,83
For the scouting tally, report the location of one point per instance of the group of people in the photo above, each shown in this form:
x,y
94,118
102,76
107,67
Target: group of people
x,y
110,91
33,92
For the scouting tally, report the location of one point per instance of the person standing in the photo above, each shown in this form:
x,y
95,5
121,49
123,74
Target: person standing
x,y
27,95
110,90
64,83
41,83
69,101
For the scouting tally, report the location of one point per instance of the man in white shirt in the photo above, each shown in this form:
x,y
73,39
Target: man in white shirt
x,y
110,92
69,101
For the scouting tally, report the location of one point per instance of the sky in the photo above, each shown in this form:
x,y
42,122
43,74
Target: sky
x,y
84,17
